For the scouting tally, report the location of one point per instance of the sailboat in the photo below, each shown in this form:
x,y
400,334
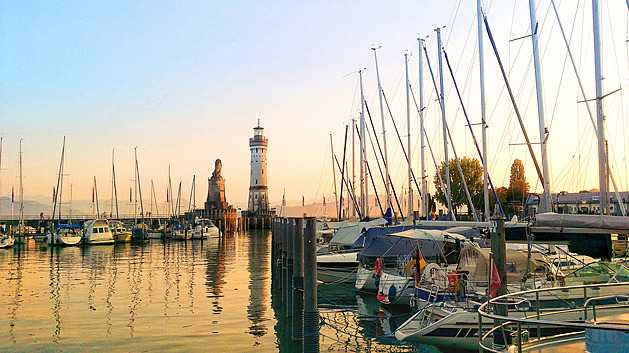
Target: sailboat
x,y
6,240
63,234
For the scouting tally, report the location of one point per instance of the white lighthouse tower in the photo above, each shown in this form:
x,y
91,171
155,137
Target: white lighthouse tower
x,y
258,190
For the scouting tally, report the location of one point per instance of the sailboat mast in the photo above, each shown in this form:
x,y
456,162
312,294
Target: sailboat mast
x,y
481,64
61,171
115,189
336,201
424,194
21,194
353,164
444,123
384,135
408,141
547,205
363,152
603,179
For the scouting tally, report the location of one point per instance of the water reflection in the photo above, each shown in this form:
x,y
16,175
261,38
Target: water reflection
x,y
259,269
138,297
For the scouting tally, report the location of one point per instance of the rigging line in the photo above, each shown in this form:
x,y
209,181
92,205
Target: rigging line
x,y
448,193
493,44
373,182
382,174
611,31
469,124
351,194
453,20
434,161
400,140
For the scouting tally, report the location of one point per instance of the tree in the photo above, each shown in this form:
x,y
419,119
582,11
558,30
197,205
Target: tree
x,y
518,187
473,172
502,193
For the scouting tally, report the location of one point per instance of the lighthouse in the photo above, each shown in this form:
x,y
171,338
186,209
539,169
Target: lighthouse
x,y
258,191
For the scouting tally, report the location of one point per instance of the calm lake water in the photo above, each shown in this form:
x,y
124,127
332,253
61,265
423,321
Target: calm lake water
x,y
176,296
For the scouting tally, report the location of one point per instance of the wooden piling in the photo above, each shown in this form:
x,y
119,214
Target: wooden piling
x,y
298,285
311,313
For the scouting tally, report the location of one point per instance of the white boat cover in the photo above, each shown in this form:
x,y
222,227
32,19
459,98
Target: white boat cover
x,y
349,234
551,219
429,234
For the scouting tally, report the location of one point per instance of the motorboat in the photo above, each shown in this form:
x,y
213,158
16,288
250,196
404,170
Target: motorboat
x,y
204,229
67,235
97,232
120,233
6,241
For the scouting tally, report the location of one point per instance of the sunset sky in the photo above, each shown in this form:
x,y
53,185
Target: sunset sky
x,y
187,81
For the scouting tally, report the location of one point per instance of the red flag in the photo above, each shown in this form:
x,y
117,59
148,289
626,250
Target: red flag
x,y
54,195
92,195
303,200
167,200
283,200
495,282
323,200
12,195
130,195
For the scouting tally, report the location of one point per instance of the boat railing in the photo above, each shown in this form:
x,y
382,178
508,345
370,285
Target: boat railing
x,y
516,331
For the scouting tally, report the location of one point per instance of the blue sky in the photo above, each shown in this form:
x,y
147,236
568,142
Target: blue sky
x,y
186,81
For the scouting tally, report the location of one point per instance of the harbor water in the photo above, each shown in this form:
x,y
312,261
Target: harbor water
x,y
212,295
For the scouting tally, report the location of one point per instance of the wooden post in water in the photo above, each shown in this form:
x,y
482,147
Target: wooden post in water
x,y
499,256
298,285
290,232
311,314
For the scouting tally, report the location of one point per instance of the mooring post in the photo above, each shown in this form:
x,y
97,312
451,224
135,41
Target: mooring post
x,y
289,266
499,257
311,314
298,285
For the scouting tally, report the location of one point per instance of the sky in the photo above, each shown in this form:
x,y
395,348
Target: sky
x,y
185,82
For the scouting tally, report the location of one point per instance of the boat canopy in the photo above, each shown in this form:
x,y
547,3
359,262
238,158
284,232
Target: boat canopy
x,y
429,234
598,272
551,219
475,261
348,235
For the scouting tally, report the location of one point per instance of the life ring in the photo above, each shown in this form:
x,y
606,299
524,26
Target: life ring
x,y
453,281
410,268
378,267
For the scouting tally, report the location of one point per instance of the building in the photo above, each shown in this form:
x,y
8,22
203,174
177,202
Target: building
x,y
578,203
258,210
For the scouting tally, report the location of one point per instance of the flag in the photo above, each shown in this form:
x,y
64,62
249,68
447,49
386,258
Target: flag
x,y
130,195
92,195
54,195
433,216
167,200
12,195
420,263
284,199
303,200
323,200
494,282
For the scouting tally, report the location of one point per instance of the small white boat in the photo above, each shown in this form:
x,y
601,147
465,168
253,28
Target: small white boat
x,y
204,229
97,232
6,241
120,233
67,235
